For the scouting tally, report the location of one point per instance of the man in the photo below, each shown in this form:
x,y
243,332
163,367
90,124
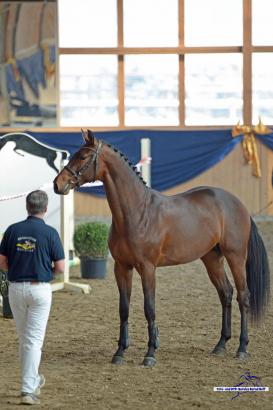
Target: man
x,y
31,252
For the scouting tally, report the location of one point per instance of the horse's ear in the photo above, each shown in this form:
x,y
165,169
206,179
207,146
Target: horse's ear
x,y
90,137
84,135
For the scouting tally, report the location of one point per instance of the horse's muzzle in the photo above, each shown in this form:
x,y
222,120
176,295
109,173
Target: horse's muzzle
x,y
56,189
63,190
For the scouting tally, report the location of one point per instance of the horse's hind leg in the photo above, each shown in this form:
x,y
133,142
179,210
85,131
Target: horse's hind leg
x,y
214,263
237,267
148,285
123,275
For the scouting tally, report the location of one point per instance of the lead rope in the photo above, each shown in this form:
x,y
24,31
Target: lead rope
x,y
4,284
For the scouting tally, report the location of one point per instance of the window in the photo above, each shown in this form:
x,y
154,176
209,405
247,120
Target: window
x,y
262,12
263,87
213,23
213,89
178,63
88,90
152,23
85,23
151,89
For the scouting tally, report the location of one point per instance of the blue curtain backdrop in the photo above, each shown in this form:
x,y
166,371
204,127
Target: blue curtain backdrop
x,y
177,156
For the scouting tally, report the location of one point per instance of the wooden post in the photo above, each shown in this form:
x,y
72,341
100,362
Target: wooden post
x,y
146,166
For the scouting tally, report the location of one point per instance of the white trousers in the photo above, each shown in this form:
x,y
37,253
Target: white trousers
x,y
30,304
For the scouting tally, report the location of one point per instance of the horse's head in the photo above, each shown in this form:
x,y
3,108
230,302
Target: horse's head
x,y
82,167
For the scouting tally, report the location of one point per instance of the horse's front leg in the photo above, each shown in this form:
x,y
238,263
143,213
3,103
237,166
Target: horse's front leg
x,y
123,275
148,285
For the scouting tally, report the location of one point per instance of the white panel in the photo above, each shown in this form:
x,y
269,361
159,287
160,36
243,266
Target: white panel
x,y
24,173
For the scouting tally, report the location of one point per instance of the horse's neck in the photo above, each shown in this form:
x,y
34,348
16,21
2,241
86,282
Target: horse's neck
x,y
125,192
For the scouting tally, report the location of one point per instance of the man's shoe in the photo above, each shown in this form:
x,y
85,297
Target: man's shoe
x,y
29,398
37,391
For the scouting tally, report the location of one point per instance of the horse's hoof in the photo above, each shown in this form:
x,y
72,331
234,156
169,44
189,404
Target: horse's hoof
x,y
218,351
242,355
149,361
117,360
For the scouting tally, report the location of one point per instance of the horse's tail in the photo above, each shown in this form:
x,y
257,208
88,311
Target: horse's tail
x,y
258,274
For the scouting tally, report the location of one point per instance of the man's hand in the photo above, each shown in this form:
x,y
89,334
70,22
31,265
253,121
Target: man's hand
x,y
59,266
3,263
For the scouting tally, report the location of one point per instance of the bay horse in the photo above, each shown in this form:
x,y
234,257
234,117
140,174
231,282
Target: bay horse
x,y
150,230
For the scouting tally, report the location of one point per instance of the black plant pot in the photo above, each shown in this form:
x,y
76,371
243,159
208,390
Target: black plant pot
x,y
93,268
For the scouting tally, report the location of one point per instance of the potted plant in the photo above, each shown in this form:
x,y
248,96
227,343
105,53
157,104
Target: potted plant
x,y
91,245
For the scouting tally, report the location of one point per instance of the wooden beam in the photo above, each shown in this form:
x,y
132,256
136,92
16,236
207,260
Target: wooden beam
x,y
53,130
262,49
121,91
181,75
149,50
121,75
247,62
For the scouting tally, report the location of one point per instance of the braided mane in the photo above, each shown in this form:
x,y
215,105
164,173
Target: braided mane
x,y
134,168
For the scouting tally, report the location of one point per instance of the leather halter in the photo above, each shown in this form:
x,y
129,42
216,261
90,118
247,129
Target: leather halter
x,y
93,159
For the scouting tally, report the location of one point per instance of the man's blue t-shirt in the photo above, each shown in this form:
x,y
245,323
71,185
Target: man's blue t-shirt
x,y
31,246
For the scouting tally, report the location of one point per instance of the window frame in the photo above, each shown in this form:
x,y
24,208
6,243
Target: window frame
x,y
247,49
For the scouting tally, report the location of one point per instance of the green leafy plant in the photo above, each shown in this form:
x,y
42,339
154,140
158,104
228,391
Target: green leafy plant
x,y
91,239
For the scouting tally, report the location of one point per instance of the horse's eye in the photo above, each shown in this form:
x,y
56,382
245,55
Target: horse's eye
x,y
82,157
